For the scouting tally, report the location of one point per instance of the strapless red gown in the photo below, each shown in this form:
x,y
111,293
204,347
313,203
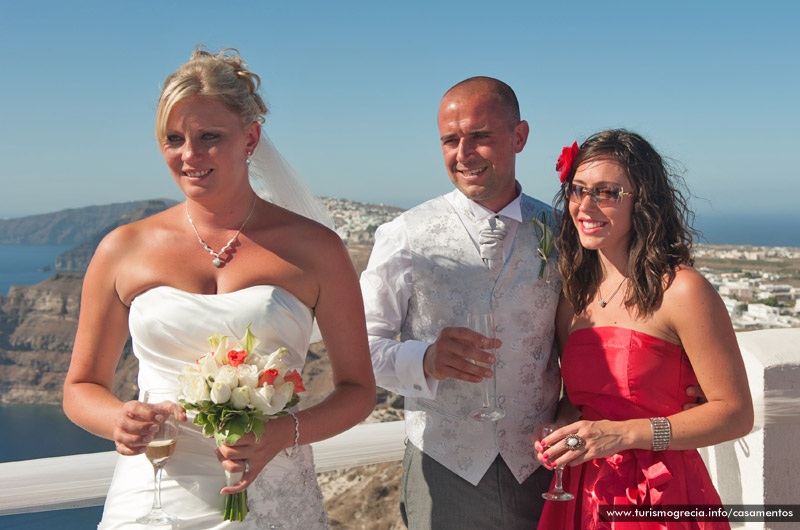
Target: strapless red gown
x,y
619,374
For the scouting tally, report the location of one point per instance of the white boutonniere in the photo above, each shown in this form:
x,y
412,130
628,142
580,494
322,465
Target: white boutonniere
x,y
546,240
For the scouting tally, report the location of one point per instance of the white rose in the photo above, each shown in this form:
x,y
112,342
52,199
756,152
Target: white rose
x,y
269,400
285,392
192,386
261,397
240,397
228,375
254,359
248,375
208,367
220,393
273,360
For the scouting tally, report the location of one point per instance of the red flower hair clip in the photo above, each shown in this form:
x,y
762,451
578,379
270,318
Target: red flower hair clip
x,y
564,163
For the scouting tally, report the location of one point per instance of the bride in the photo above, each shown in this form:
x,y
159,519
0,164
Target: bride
x,y
222,260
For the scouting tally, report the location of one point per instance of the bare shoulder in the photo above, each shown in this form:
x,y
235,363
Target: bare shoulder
x,y
689,286
691,302
126,240
306,236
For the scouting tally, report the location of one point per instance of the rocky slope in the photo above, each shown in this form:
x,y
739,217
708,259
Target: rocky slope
x,y
66,227
37,330
78,258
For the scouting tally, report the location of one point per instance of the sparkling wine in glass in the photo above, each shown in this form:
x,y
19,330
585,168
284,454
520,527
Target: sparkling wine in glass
x,y
159,450
557,492
483,323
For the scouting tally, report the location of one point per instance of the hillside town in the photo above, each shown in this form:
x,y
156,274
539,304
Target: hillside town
x,y
759,285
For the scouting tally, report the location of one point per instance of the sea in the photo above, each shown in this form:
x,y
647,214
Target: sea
x,y
38,426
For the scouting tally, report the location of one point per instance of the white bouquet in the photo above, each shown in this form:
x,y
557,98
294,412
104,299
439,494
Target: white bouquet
x,y
236,390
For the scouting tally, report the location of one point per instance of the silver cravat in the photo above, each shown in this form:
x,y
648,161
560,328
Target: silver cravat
x,y
493,232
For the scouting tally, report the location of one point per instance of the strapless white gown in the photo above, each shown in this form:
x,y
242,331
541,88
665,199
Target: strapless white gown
x,y
168,328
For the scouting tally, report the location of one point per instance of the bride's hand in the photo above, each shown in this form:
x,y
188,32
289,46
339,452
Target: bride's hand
x,y
136,422
249,456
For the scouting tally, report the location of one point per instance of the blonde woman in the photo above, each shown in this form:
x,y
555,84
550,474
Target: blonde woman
x,y
216,263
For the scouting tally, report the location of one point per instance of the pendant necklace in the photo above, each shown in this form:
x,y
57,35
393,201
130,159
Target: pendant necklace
x,y
217,262
605,302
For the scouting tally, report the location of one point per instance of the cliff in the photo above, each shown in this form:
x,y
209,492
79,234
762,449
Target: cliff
x,y
66,227
37,330
78,258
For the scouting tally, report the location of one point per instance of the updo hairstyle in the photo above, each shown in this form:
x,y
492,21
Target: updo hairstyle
x,y
223,76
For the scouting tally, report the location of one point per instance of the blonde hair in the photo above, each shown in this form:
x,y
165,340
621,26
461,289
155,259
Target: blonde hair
x,y
223,76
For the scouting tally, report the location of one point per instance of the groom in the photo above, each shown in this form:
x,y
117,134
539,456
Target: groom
x,y
471,250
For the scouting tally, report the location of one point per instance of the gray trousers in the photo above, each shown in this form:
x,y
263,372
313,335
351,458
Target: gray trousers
x,y
434,498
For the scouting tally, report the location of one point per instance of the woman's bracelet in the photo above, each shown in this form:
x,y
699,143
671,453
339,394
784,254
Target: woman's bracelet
x,y
296,429
662,433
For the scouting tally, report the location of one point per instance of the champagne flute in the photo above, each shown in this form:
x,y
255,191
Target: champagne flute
x,y
557,493
484,324
159,450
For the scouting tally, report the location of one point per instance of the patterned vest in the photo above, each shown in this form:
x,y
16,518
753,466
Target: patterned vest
x,y
449,280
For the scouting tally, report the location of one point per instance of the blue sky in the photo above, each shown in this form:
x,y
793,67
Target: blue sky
x,y
353,89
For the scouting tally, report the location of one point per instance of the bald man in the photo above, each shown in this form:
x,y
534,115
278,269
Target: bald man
x,y
471,250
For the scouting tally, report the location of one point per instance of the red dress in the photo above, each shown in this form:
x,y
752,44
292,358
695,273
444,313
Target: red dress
x,y
619,374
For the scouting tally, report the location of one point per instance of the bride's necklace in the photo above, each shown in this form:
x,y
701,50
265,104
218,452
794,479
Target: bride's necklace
x,y
604,302
217,262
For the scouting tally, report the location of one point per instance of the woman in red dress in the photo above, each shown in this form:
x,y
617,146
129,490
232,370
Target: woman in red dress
x,y
636,325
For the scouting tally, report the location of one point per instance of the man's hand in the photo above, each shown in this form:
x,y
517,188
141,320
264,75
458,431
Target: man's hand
x,y
453,352
695,392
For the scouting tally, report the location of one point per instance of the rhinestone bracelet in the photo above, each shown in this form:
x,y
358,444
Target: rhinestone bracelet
x,y
296,429
662,433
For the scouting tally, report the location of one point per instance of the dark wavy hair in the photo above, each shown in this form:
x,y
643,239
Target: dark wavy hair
x,y
661,228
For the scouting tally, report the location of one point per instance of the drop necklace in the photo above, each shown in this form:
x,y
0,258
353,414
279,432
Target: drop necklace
x,y
605,302
218,262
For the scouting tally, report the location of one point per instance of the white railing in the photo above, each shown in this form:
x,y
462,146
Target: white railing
x,y
761,468
77,481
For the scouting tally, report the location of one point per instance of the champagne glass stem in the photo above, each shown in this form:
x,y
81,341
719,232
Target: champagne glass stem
x,y
157,487
486,393
559,487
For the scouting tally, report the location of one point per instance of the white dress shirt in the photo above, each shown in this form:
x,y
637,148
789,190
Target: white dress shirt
x,y
387,279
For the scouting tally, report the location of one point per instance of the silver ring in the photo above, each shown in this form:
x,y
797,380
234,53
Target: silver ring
x,y
573,442
246,467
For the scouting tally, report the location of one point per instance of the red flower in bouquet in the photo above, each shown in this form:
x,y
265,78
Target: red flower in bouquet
x,y
296,379
564,163
236,357
268,377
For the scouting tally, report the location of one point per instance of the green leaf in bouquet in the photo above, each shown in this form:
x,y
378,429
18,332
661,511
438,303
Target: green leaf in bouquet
x,y
219,437
209,430
257,426
235,430
187,405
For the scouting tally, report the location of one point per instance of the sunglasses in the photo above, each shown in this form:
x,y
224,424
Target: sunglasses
x,y
599,195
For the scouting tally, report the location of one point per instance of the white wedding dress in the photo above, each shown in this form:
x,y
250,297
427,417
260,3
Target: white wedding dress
x,y
168,328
